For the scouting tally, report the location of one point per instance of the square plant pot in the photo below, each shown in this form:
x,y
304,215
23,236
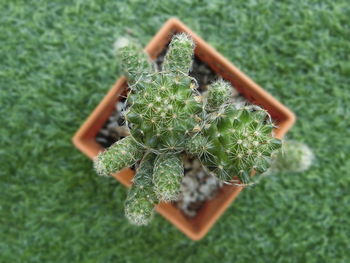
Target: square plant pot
x,y
85,138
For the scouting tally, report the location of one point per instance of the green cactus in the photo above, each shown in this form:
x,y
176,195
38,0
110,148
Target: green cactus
x,y
178,59
292,157
135,64
234,142
167,117
123,153
165,111
139,204
168,173
218,95
164,108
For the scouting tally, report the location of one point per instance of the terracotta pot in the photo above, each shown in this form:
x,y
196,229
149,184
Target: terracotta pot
x,y
196,227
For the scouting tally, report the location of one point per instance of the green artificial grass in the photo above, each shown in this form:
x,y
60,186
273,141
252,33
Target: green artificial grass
x,y
56,64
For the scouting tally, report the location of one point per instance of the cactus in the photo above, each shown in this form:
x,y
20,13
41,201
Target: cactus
x,y
292,157
219,94
135,64
163,107
165,112
139,204
168,173
234,142
123,153
167,117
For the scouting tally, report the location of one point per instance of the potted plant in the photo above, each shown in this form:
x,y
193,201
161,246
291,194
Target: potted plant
x,y
201,120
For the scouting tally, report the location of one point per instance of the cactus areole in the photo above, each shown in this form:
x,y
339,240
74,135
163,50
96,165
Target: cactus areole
x,y
167,117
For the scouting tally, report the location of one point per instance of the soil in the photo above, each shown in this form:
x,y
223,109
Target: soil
x,y
197,186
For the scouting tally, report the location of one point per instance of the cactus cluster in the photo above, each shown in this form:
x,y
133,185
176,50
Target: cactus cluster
x,y
165,112
168,117
236,142
165,108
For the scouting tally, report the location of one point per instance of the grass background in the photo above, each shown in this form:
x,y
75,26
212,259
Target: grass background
x,y
56,64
